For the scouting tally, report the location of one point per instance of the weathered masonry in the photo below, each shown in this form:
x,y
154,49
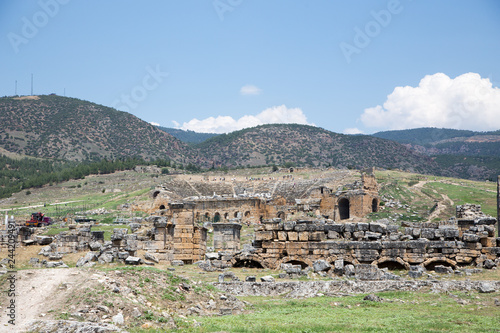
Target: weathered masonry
x,y
294,199
427,244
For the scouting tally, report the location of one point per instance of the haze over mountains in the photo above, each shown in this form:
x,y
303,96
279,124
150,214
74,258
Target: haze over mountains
x,y
71,129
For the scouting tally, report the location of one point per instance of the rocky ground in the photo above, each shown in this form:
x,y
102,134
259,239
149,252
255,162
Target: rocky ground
x,y
75,300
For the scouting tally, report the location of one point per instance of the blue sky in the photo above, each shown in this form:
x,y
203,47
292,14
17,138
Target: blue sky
x,y
340,65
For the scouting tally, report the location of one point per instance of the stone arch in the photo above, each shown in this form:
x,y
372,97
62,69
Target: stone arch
x,y
331,260
247,213
391,263
295,260
281,215
162,207
226,215
351,261
236,214
429,264
374,205
155,194
217,217
344,209
207,216
249,261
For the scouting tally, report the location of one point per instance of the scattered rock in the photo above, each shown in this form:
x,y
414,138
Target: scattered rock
x,y
321,265
267,278
177,263
133,260
486,287
118,319
372,298
149,256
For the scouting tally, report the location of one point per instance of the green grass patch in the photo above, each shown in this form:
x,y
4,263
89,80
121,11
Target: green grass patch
x,y
400,312
468,194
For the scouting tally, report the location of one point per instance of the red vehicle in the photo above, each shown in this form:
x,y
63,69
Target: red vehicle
x,y
39,220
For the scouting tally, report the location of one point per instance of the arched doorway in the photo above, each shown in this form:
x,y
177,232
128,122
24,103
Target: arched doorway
x,y
217,217
344,208
162,207
374,205
281,215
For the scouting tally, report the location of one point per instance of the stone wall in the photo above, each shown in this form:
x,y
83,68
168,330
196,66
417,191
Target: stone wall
x,y
189,239
226,236
426,244
284,199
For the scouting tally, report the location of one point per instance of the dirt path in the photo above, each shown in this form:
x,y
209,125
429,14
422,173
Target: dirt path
x,y
39,291
440,204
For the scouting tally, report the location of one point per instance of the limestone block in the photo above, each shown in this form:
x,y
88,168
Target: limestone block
x,y
467,237
438,233
349,227
362,226
321,265
333,234
394,245
336,227
367,272
414,258
303,236
271,226
293,236
427,233
373,235
358,234
366,255
300,227
393,253
378,227
392,228
312,227
289,225
317,236
264,235
282,235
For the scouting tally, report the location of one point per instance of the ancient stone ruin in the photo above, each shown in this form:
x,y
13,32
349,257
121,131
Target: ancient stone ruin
x,y
458,242
286,200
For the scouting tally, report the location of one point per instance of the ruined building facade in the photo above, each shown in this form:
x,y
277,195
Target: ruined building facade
x,y
352,200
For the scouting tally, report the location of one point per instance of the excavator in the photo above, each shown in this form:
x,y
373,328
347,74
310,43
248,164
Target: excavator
x,y
39,220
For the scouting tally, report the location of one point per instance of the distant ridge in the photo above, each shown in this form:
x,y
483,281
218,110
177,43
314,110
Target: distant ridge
x,y
309,145
188,136
74,130
71,129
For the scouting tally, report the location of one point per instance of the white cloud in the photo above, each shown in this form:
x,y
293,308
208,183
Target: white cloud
x,y
465,102
225,124
250,90
154,124
353,130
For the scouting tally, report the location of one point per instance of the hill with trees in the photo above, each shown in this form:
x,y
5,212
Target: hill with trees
x,y
462,153
304,145
75,130
188,136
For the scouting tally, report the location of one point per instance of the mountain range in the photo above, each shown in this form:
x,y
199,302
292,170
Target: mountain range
x,y
64,128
